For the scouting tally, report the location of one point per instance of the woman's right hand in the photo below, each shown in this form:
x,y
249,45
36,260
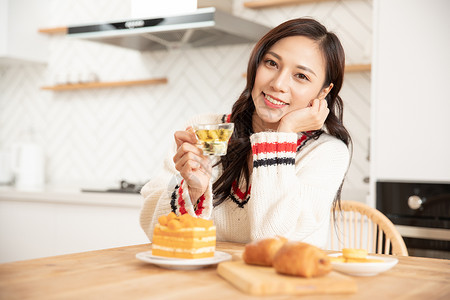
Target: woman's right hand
x,y
193,166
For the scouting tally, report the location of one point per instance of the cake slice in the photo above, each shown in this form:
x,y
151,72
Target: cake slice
x,y
184,237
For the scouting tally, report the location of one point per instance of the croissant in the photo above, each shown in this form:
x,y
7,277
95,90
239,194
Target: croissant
x,y
261,252
301,259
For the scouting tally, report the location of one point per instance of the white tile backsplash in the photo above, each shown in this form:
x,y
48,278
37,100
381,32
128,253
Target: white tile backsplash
x,y
105,135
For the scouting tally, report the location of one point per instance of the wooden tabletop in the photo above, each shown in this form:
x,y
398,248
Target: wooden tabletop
x,y
117,274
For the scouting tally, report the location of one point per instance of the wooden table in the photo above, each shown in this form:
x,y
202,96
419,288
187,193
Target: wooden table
x,y
117,274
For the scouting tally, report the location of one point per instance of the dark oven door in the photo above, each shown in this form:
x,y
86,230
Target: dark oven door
x,y
421,213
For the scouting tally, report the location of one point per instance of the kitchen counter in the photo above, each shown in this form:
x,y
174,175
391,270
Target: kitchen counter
x,y
71,195
56,221
116,274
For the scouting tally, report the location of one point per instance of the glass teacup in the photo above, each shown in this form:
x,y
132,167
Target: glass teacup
x,y
213,138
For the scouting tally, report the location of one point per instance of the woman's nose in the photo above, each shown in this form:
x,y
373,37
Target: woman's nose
x,y
280,82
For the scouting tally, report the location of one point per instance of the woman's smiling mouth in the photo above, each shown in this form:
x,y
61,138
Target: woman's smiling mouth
x,y
272,102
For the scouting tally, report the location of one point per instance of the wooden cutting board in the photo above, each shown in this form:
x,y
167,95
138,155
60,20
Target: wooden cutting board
x,y
256,280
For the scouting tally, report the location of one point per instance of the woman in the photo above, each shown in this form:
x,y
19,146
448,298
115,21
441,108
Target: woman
x,y
283,172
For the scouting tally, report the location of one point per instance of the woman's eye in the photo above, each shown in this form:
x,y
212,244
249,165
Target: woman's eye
x,y
271,63
301,76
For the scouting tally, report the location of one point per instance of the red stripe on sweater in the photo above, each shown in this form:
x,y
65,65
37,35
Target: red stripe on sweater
x,y
301,140
181,202
237,191
274,147
200,207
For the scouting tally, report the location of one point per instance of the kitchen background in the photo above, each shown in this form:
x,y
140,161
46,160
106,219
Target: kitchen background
x,y
93,138
97,137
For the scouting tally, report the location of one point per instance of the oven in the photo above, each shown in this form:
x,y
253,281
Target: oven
x,y
421,213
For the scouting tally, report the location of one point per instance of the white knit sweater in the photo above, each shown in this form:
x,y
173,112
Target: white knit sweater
x,y
293,184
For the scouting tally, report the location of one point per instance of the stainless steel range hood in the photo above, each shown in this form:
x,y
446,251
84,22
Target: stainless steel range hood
x,y
204,27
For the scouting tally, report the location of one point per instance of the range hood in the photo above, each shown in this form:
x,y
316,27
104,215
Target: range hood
x,y
201,28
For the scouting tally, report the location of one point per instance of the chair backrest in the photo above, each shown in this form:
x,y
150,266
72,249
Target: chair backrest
x,y
357,225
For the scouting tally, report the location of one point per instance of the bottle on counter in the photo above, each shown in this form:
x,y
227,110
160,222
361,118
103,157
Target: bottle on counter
x,y
28,165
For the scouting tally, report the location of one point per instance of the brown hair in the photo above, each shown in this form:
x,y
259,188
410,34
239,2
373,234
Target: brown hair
x,y
235,162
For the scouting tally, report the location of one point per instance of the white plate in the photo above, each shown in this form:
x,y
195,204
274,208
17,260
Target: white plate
x,y
364,269
183,264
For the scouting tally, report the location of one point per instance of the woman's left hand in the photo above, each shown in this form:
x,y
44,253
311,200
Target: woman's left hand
x,y
305,119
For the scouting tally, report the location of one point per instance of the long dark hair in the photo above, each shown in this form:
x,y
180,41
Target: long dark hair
x,y
235,163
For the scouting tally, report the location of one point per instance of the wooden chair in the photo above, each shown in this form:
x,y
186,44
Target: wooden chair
x,y
357,225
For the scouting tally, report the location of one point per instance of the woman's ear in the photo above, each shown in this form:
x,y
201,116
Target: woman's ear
x,y
325,91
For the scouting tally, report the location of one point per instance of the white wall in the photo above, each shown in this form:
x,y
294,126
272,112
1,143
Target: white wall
x,y
411,102
3,28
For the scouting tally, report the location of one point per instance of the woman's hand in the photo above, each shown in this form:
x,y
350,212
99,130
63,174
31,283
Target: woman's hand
x,y
193,166
309,118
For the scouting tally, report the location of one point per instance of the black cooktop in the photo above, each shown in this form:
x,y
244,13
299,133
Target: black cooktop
x,y
125,187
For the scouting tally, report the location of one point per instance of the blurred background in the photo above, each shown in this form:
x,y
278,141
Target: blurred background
x,y
59,135
101,136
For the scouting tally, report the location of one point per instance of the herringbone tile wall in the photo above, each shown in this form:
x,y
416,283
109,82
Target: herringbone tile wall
x,y
105,135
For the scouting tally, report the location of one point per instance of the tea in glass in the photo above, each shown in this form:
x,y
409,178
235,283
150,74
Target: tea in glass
x,y
213,138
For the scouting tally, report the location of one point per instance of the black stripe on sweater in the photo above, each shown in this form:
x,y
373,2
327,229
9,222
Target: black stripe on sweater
x,y
173,202
273,161
310,135
239,203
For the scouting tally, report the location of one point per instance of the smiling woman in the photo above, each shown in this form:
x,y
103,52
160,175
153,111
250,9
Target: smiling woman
x,y
287,156
290,77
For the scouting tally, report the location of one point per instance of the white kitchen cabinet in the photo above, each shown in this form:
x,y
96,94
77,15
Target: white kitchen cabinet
x,y
33,228
20,41
410,102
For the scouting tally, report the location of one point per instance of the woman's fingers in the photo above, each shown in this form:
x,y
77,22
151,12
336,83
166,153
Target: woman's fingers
x,y
190,168
319,112
187,136
191,156
318,105
314,105
186,148
185,141
324,110
195,170
189,159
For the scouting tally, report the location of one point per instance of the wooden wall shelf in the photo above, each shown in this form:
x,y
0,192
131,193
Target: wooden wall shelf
x,y
53,30
358,68
274,3
111,84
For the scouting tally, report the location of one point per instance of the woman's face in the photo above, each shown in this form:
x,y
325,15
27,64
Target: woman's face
x,y
290,75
